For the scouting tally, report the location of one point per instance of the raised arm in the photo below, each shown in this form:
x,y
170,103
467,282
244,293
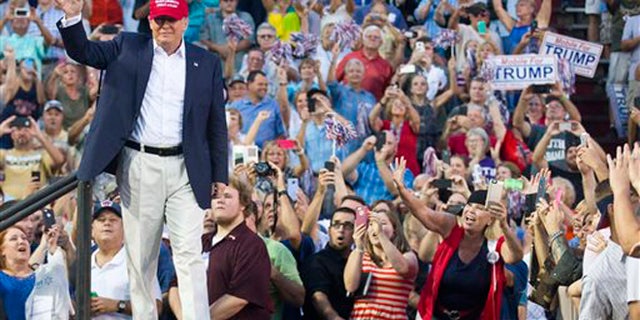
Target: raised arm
x,y
405,264
12,82
445,96
503,15
288,221
624,170
440,223
52,81
544,15
541,148
374,116
353,269
281,96
521,109
351,162
250,138
77,128
325,178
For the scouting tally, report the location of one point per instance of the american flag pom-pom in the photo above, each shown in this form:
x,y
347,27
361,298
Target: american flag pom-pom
x,y
346,34
487,70
235,28
279,52
447,38
305,44
339,132
567,76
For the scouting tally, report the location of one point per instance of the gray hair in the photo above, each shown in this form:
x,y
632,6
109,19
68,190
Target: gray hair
x,y
265,25
480,133
353,62
370,29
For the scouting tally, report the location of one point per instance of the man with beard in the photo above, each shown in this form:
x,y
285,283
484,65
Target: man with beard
x,y
326,296
25,168
239,268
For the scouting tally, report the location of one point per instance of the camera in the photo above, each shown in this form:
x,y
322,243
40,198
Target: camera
x,y
263,169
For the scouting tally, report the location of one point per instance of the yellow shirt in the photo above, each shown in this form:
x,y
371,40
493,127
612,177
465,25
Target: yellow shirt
x,y
18,166
285,24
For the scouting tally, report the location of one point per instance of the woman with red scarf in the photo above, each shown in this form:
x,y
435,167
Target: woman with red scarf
x,y
467,276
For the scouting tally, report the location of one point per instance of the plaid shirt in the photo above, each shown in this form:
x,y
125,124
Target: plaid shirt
x,y
370,186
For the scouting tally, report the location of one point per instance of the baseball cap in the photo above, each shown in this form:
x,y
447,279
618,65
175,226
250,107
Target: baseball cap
x,y
53,104
175,9
478,197
101,206
237,78
21,122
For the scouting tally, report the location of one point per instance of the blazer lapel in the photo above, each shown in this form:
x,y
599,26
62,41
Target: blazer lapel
x,y
145,60
191,76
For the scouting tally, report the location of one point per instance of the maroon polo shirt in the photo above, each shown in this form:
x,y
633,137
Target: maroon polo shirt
x,y
377,72
239,265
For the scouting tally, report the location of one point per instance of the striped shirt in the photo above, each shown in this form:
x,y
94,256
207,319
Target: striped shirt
x,y
388,294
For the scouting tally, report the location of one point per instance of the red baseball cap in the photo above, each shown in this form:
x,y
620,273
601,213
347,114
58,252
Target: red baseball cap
x,y
176,9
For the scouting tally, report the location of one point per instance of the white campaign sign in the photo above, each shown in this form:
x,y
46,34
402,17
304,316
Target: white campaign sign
x,y
519,71
582,55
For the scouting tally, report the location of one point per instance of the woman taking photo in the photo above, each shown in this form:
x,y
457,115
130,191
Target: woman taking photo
x,y
382,262
467,276
18,276
404,123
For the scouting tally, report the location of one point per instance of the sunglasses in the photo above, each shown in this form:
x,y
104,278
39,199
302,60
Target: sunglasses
x,y
160,21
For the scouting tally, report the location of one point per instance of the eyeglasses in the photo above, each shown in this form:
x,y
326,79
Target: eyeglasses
x,y
346,225
160,21
266,36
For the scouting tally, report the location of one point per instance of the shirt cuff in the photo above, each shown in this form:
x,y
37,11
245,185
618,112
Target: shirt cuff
x,y
67,22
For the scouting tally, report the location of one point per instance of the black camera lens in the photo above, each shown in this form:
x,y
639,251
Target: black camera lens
x,y
263,169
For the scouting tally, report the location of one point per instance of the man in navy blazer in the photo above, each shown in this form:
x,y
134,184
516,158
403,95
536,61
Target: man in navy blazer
x,y
160,127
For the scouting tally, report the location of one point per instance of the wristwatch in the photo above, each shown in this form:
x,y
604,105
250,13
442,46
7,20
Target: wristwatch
x,y
121,306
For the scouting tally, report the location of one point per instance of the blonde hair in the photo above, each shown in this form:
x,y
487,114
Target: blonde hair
x,y
398,239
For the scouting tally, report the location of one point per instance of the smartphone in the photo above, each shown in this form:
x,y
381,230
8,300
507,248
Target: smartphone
x,y
251,154
534,25
419,46
541,88
287,144
584,139
408,69
35,176
21,12
494,193
109,29
565,126
238,155
482,27
227,117
49,218
542,189
410,34
311,104
381,138
514,184
455,209
442,183
292,188
446,156
362,215
330,166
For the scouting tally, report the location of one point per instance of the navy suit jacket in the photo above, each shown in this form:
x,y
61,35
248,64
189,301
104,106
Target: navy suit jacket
x,y
127,63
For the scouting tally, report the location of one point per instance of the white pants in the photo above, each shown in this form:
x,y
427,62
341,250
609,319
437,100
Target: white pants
x,y
153,190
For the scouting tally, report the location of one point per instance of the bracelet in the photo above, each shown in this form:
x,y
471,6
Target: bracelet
x,y
283,84
555,236
281,193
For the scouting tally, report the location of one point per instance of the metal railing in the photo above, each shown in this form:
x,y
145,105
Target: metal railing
x,y
43,197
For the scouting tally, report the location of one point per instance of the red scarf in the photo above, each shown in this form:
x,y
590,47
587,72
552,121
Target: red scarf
x,y
441,259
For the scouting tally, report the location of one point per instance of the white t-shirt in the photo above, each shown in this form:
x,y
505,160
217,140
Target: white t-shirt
x,y
50,296
632,30
111,281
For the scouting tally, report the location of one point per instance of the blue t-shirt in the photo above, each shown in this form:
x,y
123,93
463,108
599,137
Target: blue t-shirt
x,y
14,293
511,296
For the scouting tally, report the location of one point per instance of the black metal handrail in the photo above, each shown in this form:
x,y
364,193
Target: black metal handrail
x,y
40,199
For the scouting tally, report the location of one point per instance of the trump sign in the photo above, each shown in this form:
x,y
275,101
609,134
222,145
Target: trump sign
x,y
582,55
519,71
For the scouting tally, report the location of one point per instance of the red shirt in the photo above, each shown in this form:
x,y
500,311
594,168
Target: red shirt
x,y
407,145
239,265
377,72
105,11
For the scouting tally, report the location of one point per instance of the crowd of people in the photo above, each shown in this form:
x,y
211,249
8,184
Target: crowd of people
x,y
440,197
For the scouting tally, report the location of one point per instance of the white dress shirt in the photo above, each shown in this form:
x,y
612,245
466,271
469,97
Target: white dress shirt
x,y
160,120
